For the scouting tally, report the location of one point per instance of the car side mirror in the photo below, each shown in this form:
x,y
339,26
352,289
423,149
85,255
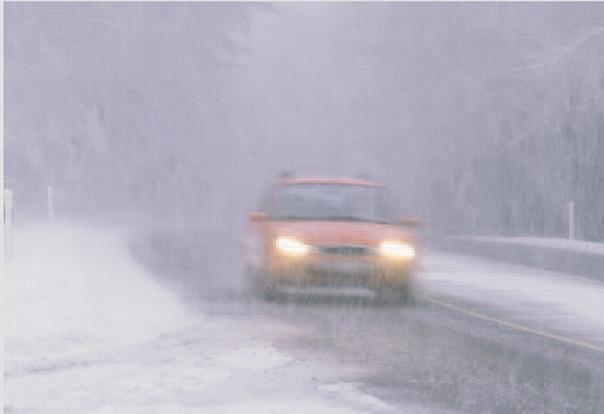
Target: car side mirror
x,y
257,217
410,222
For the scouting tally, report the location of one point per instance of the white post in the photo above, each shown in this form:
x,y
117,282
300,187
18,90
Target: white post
x,y
50,203
8,209
571,220
8,223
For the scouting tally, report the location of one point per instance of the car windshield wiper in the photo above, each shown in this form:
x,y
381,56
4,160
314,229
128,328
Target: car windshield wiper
x,y
293,218
352,218
331,218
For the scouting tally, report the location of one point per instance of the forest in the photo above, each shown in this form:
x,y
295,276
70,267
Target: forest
x,y
484,118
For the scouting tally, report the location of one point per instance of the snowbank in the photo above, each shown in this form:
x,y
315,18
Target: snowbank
x,y
573,257
72,292
552,243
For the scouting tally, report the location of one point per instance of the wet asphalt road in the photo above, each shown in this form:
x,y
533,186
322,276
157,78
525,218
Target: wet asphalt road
x,y
426,354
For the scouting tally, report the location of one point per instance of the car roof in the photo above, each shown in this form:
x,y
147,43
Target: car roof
x,y
327,180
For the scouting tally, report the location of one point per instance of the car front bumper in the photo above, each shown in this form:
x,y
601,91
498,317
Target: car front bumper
x,y
367,272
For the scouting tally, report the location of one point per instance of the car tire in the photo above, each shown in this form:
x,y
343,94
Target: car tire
x,y
405,295
271,294
395,296
262,289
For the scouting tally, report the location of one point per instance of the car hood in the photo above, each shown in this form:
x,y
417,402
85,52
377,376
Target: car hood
x,y
339,232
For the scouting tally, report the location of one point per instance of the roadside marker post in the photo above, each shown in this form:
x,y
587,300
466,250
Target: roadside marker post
x,y
571,220
8,223
50,203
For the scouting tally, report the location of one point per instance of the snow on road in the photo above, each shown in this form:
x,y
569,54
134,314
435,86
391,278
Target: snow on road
x,y
88,330
546,300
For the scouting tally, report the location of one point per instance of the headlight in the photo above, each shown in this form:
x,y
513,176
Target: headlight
x,y
396,250
291,247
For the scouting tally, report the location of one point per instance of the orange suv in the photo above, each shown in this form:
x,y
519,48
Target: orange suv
x,y
331,232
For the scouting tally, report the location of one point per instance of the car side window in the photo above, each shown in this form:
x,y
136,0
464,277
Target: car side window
x,y
387,204
265,202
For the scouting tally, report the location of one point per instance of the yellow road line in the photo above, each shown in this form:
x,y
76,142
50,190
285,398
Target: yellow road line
x,y
516,326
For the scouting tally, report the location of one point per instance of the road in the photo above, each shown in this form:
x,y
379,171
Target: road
x,y
164,323
481,337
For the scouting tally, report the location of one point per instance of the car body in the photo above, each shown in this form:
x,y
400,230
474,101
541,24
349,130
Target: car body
x,y
331,232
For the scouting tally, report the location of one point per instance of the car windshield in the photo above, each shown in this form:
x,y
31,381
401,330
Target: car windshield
x,y
344,202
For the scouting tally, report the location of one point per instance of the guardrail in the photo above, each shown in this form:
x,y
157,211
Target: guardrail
x,y
574,262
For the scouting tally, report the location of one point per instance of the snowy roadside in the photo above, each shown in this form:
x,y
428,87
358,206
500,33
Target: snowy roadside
x,y
571,257
71,293
547,300
88,331
552,243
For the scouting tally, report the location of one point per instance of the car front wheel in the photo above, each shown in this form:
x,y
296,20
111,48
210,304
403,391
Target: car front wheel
x,y
395,295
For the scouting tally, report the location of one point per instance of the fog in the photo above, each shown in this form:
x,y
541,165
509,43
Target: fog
x,y
140,136
483,118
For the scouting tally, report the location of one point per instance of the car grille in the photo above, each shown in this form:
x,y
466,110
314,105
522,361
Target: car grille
x,y
345,250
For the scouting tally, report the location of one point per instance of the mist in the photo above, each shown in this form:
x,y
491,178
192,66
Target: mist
x,y
166,251
492,110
